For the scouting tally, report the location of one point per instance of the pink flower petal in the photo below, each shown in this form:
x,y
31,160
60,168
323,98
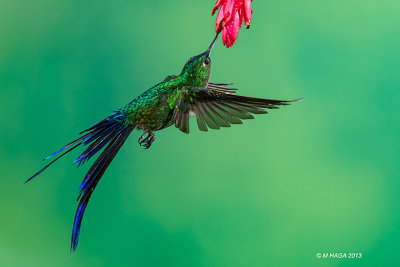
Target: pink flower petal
x,y
219,3
220,19
224,36
233,30
229,10
247,12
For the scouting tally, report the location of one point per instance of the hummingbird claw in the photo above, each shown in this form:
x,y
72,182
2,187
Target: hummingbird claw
x,y
148,140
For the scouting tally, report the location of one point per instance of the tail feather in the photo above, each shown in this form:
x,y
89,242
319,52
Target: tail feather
x,y
98,143
107,133
92,178
97,125
94,130
103,158
93,135
98,132
65,147
48,165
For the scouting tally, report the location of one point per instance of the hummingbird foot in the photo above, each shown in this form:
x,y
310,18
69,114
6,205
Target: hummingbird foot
x,y
147,139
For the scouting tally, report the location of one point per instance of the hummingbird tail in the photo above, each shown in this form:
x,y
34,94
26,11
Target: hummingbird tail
x,y
110,134
98,135
94,175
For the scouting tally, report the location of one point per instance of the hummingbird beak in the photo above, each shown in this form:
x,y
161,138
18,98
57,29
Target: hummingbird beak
x,y
212,44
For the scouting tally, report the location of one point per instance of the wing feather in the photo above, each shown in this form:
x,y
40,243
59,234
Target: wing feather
x,y
217,106
207,117
199,117
228,115
223,122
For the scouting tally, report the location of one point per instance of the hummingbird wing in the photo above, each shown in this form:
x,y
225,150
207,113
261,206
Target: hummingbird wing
x,y
221,87
218,106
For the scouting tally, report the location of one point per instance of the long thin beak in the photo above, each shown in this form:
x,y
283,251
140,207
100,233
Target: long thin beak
x,y
212,44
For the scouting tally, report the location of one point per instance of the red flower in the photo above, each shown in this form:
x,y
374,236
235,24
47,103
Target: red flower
x,y
230,18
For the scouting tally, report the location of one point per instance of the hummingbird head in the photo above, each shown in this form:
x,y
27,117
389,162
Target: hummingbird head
x,y
198,68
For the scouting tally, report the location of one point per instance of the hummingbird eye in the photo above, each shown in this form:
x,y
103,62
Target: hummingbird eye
x,y
206,62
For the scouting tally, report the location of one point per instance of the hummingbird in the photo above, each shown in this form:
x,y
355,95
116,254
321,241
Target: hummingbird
x,y
170,102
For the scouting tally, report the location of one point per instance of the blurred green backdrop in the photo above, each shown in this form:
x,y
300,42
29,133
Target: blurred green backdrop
x,y
321,175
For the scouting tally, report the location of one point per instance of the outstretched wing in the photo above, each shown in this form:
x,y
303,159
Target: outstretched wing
x,y
218,106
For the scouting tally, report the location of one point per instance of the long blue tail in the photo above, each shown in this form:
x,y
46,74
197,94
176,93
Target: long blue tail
x,y
108,133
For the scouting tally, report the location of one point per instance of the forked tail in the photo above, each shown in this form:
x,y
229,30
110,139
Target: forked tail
x,y
109,134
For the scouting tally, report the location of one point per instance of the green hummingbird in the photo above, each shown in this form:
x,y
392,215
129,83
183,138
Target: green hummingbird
x,y
170,102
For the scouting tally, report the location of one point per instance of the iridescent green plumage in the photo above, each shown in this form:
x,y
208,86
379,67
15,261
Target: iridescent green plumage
x,y
170,102
153,110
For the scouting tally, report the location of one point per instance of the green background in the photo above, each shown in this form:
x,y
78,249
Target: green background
x,y
321,175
